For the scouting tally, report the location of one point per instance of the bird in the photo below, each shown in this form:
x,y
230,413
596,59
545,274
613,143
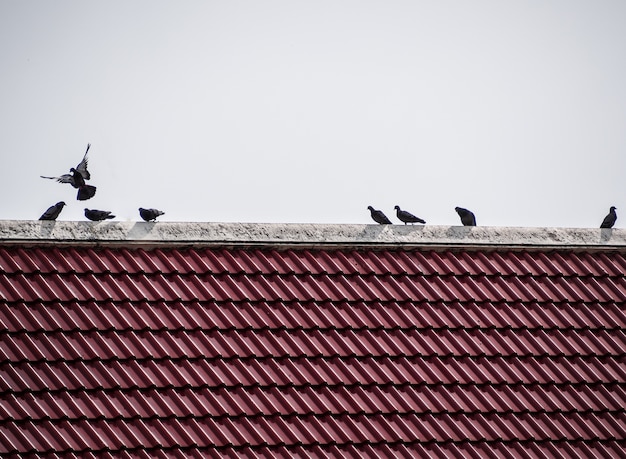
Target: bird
x,y
378,216
150,214
77,179
610,219
97,215
467,217
407,217
53,211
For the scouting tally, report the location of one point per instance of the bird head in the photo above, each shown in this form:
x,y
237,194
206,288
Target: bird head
x,y
397,207
370,207
613,208
61,203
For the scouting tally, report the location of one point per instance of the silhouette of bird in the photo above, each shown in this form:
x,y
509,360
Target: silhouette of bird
x,y
77,179
53,211
407,217
610,219
97,215
467,217
378,216
150,214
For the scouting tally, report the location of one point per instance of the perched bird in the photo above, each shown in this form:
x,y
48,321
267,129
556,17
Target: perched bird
x,y
378,216
77,179
610,219
97,215
467,217
53,211
150,214
407,217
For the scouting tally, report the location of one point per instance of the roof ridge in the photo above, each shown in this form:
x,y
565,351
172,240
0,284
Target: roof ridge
x,y
286,235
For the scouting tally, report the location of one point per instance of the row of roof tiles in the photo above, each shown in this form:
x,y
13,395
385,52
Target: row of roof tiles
x,y
531,449
70,346
304,371
306,429
318,400
274,287
208,315
237,261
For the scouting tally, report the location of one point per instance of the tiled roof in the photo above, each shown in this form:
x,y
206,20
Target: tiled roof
x,y
312,352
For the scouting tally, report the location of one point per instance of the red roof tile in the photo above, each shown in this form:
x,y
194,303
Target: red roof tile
x,y
312,352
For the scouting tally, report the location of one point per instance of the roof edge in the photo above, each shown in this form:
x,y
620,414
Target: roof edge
x,y
304,235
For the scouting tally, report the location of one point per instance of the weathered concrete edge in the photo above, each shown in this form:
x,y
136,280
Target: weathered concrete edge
x,y
293,234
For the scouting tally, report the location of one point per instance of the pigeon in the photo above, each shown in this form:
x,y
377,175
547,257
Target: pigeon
x,y
97,215
53,211
378,216
150,214
77,179
610,219
407,217
467,217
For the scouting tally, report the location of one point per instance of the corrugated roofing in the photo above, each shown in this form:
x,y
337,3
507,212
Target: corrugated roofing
x,y
174,351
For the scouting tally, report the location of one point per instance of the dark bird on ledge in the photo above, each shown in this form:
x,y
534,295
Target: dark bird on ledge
x,y
407,217
97,215
610,219
150,214
77,179
467,217
378,216
53,211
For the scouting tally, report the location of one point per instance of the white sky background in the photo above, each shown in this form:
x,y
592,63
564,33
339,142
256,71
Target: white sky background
x,y
309,111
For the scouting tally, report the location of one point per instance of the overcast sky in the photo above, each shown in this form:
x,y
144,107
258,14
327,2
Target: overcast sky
x,y
309,111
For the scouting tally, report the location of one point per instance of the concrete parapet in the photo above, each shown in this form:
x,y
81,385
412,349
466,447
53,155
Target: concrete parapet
x,y
292,234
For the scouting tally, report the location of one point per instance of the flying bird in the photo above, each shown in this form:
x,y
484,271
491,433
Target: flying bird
x,y
407,217
97,215
610,219
53,211
150,214
378,216
467,217
77,179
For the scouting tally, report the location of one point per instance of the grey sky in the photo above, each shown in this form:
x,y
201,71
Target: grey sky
x,y
294,111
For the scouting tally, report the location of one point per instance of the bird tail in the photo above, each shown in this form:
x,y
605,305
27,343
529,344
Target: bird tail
x,y
86,192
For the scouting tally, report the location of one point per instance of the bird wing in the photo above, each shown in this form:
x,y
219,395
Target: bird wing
x,y
382,218
412,218
608,221
82,166
95,214
48,213
65,178
53,212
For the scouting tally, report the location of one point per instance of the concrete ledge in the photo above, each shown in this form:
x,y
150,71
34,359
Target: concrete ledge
x,y
263,234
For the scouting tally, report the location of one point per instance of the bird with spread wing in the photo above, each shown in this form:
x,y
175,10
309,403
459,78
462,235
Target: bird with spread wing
x,y
77,178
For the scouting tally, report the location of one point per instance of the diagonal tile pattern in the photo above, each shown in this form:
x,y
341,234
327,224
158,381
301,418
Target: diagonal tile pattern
x,y
312,352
